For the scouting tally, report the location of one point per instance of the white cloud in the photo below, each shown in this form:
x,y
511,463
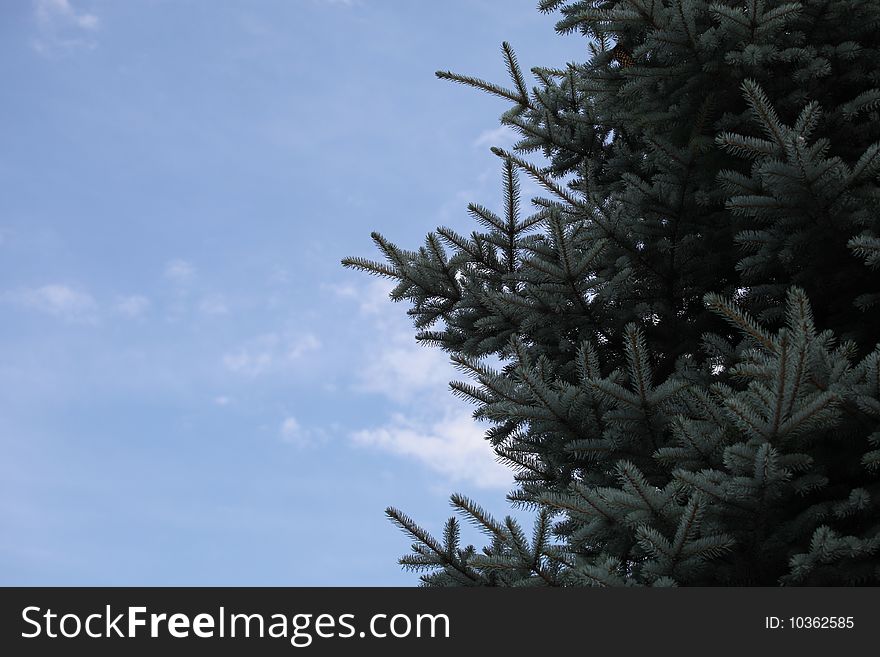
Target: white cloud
x,y
279,276
451,444
344,3
50,11
61,27
393,363
429,426
61,301
375,298
502,136
403,369
372,297
302,345
293,432
132,306
222,400
179,271
268,353
252,360
213,304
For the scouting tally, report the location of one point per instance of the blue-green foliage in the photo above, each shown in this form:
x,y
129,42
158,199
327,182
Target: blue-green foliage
x,y
688,323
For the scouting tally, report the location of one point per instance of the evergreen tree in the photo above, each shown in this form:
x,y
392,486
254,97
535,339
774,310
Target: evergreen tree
x,y
688,323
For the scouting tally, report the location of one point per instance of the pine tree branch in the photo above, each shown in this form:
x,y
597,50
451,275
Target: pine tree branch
x,y
515,73
540,177
484,86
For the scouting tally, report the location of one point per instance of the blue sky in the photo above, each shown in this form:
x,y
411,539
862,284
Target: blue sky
x,y
193,391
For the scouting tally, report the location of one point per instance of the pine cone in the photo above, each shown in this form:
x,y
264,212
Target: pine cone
x,y
622,56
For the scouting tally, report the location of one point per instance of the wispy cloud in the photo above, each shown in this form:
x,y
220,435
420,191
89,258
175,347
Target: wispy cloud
x,y
432,427
429,425
62,27
344,3
59,300
256,358
371,297
502,136
132,306
300,346
293,432
49,11
401,369
269,352
279,276
179,271
213,304
452,445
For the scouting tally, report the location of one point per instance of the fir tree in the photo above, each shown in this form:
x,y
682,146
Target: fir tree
x,y
688,322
